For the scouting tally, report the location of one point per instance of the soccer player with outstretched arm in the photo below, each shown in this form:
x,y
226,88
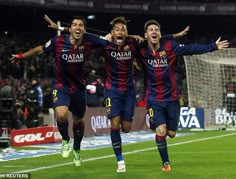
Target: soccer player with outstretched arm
x,y
158,58
68,87
120,92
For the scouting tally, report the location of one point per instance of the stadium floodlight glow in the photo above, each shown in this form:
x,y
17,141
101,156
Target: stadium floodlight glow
x,y
91,17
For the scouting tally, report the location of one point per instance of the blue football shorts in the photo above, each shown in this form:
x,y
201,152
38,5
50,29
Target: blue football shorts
x,y
76,101
120,103
166,112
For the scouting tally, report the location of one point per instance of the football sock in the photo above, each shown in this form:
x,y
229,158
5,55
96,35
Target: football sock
x,y
162,147
63,129
78,130
116,143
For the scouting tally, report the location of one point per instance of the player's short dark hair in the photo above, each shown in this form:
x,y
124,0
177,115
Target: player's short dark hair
x,y
151,22
79,18
117,20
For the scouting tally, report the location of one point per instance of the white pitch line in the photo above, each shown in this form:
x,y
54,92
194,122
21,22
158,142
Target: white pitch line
x,y
125,153
205,152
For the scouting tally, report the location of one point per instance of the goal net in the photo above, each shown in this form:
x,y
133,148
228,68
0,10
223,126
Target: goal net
x,y
211,84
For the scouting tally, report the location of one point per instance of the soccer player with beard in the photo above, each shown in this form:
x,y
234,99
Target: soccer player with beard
x,y
68,86
158,58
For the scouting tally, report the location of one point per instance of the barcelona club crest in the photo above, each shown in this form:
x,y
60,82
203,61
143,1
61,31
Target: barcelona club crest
x,y
55,99
163,54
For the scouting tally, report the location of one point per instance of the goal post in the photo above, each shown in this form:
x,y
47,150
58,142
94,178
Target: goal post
x,y
211,84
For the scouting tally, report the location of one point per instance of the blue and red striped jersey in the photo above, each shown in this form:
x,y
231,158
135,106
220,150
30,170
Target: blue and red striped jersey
x,y
118,62
70,62
159,67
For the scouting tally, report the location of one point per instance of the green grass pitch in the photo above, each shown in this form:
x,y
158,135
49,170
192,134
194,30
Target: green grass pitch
x,y
202,155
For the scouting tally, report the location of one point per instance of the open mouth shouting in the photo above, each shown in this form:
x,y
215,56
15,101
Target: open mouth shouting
x,y
119,40
154,38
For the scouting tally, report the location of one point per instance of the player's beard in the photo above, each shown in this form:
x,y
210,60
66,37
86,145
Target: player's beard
x,y
77,36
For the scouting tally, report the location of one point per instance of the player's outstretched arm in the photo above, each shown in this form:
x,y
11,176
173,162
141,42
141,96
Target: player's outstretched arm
x,y
222,44
16,58
140,39
182,33
137,37
53,25
108,37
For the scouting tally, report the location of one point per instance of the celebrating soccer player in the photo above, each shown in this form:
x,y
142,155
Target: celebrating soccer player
x,y
69,92
158,58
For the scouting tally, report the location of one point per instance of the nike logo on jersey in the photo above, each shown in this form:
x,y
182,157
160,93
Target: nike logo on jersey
x,y
65,50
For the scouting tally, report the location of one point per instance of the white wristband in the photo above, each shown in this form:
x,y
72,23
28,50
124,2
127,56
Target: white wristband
x,y
61,28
